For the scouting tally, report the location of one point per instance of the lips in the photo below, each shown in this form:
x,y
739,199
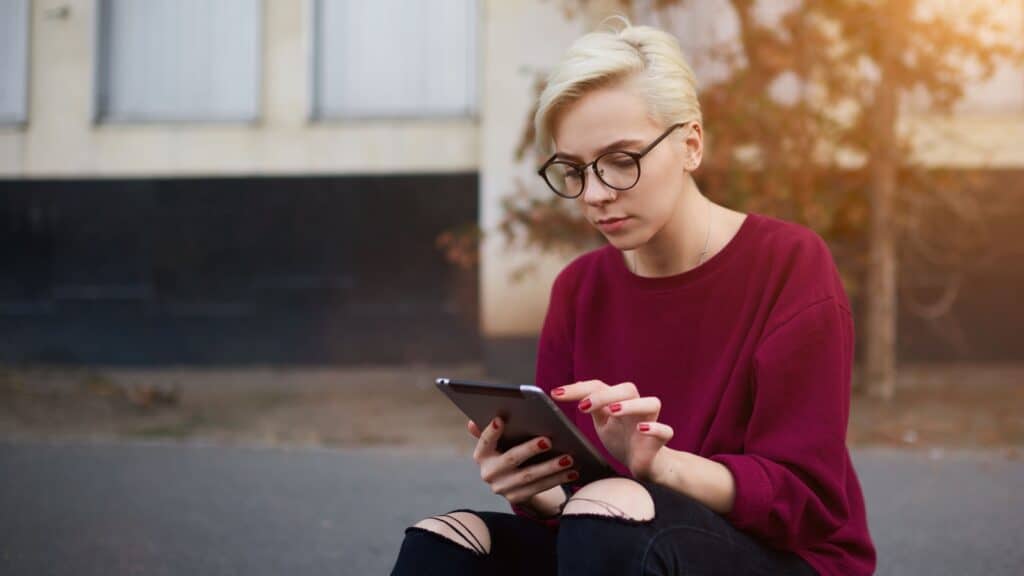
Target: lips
x,y
612,224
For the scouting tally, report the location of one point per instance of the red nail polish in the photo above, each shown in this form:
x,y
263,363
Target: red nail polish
x,y
495,424
645,427
585,404
558,391
543,444
565,461
574,475
615,407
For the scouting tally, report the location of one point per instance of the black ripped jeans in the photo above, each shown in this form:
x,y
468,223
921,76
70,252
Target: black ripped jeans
x,y
685,537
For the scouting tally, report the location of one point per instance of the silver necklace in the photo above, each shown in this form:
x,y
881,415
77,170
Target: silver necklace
x,y
707,237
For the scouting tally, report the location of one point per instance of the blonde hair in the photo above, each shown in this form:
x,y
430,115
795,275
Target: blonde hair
x,y
648,58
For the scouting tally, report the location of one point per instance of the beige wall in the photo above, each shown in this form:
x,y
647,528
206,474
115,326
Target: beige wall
x,y
520,38
990,141
60,139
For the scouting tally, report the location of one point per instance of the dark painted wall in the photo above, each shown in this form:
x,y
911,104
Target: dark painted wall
x,y
986,320
235,270
332,270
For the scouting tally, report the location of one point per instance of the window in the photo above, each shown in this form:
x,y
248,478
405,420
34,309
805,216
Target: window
x,y
179,60
14,23
395,58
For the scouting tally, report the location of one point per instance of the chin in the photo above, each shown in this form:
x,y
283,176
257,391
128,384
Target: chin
x,y
624,242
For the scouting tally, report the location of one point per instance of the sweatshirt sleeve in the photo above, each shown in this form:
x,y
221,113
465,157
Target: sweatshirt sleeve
x,y
790,478
554,359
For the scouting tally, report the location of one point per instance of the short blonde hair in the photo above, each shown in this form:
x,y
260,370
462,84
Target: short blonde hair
x,y
646,57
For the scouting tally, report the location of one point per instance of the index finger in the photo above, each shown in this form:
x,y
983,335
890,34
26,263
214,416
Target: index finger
x,y
578,390
488,442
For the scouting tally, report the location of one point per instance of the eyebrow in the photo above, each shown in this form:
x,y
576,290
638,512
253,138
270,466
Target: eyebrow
x,y
614,145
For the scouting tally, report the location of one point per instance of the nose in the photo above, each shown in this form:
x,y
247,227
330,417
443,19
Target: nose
x,y
595,192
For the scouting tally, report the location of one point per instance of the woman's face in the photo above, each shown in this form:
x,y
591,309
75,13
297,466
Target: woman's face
x,y
615,117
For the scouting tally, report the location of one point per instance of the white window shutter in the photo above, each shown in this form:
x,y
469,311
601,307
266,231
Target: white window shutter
x,y
14,23
179,60
395,58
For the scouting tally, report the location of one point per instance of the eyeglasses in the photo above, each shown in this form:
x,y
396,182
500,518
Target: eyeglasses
x,y
618,169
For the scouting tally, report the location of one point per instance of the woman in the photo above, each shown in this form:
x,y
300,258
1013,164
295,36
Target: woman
x,y
706,352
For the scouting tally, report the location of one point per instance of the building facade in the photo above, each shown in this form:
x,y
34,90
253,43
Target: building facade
x,y
263,181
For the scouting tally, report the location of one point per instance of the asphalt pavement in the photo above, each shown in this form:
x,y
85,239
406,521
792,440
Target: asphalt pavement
x,y
99,508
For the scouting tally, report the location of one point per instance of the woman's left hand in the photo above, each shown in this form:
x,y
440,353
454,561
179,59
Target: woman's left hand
x,y
626,423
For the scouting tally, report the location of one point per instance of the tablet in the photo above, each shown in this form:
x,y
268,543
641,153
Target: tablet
x,y
527,412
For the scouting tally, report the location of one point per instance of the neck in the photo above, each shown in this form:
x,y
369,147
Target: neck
x,y
677,247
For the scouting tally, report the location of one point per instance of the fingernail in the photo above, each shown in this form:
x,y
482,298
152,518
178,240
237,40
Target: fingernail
x,y
543,444
615,407
558,391
495,424
574,475
565,461
585,404
645,427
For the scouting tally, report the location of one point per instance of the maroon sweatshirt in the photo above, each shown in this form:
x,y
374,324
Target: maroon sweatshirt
x,y
751,355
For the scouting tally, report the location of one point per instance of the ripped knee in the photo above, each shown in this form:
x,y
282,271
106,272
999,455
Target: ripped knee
x,y
617,497
463,528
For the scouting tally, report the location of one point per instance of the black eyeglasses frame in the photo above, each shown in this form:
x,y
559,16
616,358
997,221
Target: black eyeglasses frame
x,y
581,169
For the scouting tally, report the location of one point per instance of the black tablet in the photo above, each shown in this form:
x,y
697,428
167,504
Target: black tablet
x,y
527,413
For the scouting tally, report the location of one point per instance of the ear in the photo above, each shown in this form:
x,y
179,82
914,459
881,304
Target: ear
x,y
693,147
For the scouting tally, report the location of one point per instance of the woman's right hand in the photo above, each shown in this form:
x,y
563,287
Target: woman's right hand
x,y
519,485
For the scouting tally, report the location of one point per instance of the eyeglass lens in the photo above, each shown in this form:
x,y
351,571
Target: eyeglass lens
x,y
615,169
